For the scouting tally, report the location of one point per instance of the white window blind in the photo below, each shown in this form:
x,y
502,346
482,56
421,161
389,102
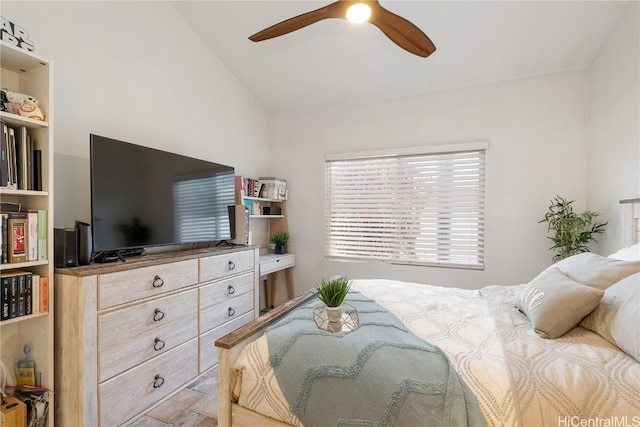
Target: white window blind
x,y
416,207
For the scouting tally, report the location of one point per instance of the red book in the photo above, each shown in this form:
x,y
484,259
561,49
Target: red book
x,y
44,294
17,230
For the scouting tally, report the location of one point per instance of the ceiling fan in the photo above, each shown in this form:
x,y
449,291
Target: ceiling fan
x,y
399,30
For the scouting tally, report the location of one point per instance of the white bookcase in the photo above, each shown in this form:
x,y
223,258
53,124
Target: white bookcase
x,y
24,72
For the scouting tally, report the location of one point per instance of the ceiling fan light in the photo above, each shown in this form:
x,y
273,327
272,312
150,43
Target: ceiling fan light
x,y
359,13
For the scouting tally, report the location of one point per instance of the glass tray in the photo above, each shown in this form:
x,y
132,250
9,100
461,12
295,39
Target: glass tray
x,y
348,322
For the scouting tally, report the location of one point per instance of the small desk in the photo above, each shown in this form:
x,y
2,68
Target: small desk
x,y
270,264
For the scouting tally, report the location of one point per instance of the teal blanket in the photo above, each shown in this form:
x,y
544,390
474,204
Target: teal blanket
x,y
378,375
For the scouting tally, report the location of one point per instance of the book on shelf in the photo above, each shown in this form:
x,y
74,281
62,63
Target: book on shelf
x,y
23,236
4,238
21,294
20,162
35,293
4,159
42,235
22,157
274,188
13,294
32,235
264,187
44,294
37,170
5,297
10,139
17,237
253,187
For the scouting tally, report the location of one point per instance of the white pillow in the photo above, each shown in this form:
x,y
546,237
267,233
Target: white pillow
x,y
617,317
630,253
554,303
595,270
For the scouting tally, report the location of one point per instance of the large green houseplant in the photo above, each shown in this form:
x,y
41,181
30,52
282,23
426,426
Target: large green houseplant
x,y
572,232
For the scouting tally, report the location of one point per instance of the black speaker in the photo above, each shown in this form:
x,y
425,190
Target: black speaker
x,y
84,242
65,245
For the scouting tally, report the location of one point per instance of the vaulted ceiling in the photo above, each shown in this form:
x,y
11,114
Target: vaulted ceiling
x,y
334,62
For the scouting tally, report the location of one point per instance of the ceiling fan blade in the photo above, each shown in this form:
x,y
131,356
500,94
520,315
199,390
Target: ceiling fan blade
x,y
401,32
333,10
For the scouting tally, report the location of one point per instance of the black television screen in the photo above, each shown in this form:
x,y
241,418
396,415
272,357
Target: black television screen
x,y
143,197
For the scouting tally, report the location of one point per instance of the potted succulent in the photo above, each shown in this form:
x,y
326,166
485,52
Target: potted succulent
x,y
279,240
332,293
572,232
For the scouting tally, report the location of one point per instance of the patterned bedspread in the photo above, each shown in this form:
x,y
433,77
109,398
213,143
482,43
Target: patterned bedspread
x,y
518,378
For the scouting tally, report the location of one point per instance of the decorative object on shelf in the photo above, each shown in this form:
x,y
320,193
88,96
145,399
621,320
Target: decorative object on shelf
x,y
572,232
31,109
332,293
21,104
280,240
273,188
271,210
26,369
15,35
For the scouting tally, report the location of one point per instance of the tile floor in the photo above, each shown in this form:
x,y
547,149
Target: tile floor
x,y
195,406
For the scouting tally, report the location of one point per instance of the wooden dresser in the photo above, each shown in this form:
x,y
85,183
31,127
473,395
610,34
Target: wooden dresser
x,y
130,334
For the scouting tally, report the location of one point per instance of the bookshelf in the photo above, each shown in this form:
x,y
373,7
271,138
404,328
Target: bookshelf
x,y
27,73
270,264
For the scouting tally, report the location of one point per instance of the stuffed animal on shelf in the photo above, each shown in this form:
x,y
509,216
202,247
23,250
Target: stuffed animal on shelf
x,y
21,104
31,109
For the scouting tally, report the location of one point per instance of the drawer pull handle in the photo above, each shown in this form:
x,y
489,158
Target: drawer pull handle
x,y
158,381
157,315
231,312
158,344
232,266
158,282
232,290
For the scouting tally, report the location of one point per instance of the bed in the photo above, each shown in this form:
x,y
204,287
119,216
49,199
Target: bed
x,y
561,350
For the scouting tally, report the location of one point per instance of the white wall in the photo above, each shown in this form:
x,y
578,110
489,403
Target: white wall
x,y
153,82
614,125
536,130
136,71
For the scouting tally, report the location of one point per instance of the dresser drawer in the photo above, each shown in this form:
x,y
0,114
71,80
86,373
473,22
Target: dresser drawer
x,y
132,392
225,290
124,355
270,263
125,324
130,285
220,266
208,350
216,315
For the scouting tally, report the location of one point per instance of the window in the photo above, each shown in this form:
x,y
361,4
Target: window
x,y
418,206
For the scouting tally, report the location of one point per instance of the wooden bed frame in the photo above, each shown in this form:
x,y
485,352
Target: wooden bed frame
x,y
229,346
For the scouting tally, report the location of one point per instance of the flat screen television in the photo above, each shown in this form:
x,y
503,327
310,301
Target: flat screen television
x,y
143,197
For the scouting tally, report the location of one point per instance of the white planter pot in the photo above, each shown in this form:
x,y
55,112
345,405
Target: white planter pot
x,y
334,315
